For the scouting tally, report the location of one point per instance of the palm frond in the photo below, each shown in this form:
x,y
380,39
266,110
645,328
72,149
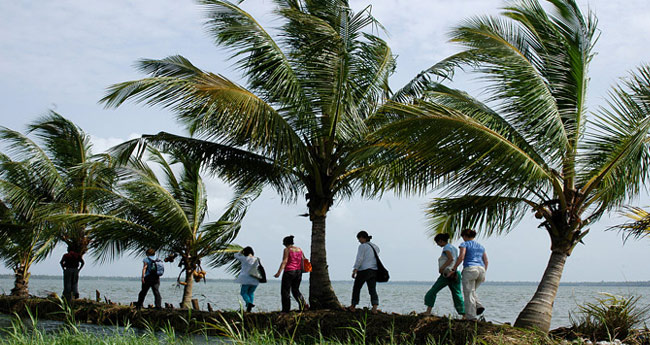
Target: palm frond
x,y
638,227
268,70
618,148
436,143
234,165
493,214
67,144
212,107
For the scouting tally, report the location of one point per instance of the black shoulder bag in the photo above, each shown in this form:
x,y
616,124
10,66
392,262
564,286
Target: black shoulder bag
x,y
382,272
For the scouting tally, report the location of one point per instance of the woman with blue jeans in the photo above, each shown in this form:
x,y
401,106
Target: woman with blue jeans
x,y
248,282
475,262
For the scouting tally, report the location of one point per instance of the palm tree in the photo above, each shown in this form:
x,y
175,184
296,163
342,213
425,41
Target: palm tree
x,y
25,236
299,124
531,146
169,216
42,180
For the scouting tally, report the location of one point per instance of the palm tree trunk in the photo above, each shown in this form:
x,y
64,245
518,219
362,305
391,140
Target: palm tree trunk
x,y
321,294
21,282
187,289
538,312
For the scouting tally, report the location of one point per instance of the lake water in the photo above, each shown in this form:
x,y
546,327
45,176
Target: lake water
x,y
502,301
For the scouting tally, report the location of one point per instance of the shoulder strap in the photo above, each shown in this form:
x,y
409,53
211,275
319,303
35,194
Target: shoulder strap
x,y
374,251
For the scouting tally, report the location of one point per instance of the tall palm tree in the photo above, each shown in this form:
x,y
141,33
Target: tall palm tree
x,y
44,178
169,216
531,145
301,120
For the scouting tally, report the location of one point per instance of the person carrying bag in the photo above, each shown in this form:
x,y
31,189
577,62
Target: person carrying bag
x,y
368,270
251,275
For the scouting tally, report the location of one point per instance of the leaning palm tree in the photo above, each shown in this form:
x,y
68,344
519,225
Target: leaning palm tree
x,y
169,216
299,124
530,145
43,178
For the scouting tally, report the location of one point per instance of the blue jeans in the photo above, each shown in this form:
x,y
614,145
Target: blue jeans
x,y
248,293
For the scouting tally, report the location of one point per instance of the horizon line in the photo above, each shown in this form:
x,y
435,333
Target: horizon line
x,y
602,282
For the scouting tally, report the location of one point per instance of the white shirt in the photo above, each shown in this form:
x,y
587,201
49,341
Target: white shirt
x,y
443,257
247,262
366,257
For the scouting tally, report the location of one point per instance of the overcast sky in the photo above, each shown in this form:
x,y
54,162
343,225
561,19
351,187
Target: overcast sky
x,y
63,54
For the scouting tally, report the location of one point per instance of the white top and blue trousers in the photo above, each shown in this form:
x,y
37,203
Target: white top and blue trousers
x,y
248,282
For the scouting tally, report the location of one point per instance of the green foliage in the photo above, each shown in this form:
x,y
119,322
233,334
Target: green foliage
x,y
529,145
610,317
41,179
639,227
312,94
167,213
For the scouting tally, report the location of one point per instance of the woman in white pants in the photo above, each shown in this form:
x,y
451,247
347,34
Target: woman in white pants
x,y
475,263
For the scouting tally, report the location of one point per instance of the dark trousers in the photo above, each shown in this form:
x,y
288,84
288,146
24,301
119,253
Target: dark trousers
x,y
151,281
70,283
291,283
370,278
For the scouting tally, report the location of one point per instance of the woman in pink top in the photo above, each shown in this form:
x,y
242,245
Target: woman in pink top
x,y
292,257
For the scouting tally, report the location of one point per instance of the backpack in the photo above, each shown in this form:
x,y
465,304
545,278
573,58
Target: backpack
x,y
156,267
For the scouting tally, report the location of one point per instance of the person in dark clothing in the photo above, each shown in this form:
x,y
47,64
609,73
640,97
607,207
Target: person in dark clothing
x,y
71,263
150,279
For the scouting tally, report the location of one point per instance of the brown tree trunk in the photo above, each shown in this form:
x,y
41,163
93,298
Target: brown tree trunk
x,y
21,282
321,294
538,312
186,302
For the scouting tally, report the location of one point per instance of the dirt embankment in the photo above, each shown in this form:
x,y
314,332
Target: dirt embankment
x,y
305,326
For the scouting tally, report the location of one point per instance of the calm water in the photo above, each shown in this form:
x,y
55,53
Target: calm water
x,y
502,301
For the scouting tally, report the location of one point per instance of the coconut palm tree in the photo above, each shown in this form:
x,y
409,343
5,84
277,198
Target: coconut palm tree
x,y
25,236
44,178
169,216
530,145
299,124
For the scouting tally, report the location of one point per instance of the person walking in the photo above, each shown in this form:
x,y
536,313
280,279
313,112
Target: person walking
x,y
475,263
248,282
71,263
447,277
364,271
150,279
292,261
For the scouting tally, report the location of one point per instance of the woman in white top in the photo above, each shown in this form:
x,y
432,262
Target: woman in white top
x,y
365,271
248,282
447,277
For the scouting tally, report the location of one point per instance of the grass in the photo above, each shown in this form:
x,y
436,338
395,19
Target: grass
x,y
610,317
314,327
27,331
